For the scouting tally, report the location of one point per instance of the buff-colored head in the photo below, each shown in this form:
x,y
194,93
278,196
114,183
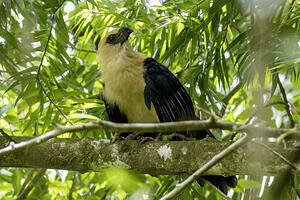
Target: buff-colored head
x,y
113,43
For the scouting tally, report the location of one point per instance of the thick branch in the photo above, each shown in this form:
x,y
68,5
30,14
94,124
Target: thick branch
x,y
150,158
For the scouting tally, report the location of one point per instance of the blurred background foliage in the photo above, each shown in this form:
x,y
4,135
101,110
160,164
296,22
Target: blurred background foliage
x,y
239,59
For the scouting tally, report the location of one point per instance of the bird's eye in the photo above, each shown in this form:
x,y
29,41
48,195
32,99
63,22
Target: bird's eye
x,y
112,39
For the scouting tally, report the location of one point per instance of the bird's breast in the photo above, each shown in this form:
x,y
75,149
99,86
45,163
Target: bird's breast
x,y
124,86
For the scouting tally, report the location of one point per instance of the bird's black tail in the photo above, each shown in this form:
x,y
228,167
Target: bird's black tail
x,y
221,182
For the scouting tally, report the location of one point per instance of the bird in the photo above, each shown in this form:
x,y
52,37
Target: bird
x,y
139,89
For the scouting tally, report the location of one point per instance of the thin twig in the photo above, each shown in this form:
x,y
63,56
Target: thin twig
x,y
180,187
27,190
60,5
44,54
287,107
203,110
153,127
277,154
40,66
227,98
52,101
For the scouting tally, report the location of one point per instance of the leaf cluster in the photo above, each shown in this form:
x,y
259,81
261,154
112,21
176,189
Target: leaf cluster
x,y
232,57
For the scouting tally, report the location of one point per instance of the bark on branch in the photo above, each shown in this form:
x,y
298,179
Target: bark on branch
x,y
150,158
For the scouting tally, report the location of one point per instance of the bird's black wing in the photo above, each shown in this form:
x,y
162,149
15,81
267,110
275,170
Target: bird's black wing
x,y
170,99
114,113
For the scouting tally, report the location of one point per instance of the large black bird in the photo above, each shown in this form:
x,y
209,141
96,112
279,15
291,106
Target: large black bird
x,y
140,89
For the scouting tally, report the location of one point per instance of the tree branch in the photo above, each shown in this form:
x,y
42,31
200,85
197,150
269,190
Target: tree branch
x,y
217,158
154,157
253,131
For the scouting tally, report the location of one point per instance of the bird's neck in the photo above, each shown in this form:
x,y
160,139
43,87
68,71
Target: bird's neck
x,y
126,59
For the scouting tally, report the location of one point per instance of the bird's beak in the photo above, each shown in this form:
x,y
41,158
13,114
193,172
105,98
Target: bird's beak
x,y
123,34
119,38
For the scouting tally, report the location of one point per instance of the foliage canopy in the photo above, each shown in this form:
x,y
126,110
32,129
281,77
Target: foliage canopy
x,y
239,59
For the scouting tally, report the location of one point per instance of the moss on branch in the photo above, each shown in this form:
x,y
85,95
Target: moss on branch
x,y
154,158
